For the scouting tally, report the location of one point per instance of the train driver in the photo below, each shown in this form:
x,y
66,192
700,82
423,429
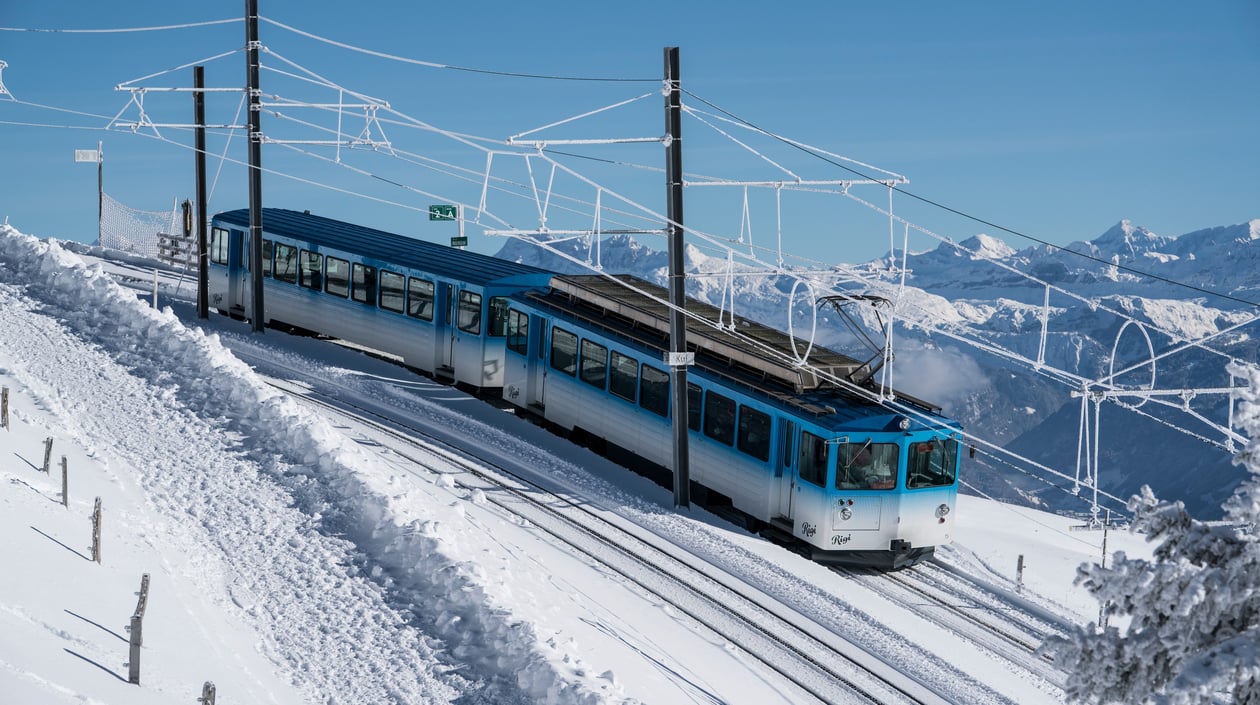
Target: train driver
x,y
867,472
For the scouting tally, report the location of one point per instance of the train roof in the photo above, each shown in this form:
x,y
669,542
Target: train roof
x,y
404,251
758,357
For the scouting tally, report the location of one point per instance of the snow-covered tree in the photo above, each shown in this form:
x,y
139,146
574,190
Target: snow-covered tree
x,y
1193,634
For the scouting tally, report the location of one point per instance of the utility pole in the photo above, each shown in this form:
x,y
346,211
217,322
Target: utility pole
x,y
678,358
255,164
199,117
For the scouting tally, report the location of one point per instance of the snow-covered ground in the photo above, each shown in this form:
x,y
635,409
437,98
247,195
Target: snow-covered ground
x,y
295,560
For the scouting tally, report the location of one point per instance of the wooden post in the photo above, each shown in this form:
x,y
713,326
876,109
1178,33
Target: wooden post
x,y
96,531
65,483
1019,574
133,662
207,694
47,453
4,407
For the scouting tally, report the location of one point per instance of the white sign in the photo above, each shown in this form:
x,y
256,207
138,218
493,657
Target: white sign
x,y
86,155
677,359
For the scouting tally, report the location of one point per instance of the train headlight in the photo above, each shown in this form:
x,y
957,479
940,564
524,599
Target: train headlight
x,y
941,512
904,423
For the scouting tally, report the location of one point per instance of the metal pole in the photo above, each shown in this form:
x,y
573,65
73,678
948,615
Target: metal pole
x,y
677,278
199,117
255,164
100,191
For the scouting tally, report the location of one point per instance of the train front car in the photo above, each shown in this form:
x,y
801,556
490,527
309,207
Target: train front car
x,y
877,490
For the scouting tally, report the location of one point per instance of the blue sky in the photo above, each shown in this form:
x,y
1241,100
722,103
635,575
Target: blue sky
x,y
1053,120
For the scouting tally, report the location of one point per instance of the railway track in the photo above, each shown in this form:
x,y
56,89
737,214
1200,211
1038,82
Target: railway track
x,y
994,621
822,665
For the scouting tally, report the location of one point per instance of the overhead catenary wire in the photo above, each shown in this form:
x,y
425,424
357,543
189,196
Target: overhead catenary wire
x,y
124,30
451,67
977,219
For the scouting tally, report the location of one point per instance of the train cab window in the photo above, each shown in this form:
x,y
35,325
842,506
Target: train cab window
x,y
420,298
266,258
719,418
594,364
564,351
866,466
498,316
814,459
695,406
336,276
932,463
624,376
392,291
363,283
309,269
286,263
754,432
654,390
219,246
469,316
518,332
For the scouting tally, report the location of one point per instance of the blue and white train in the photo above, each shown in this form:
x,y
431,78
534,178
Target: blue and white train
x,y
771,443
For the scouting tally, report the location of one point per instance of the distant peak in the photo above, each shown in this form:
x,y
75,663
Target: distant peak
x,y
987,247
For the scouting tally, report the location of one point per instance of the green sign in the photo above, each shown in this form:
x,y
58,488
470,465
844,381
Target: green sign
x,y
459,242
443,212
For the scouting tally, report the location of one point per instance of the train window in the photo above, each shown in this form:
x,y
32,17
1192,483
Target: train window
x,y
309,269
518,332
625,375
363,283
420,298
266,258
719,418
814,459
469,312
219,246
654,390
695,406
754,432
336,276
932,463
866,466
564,351
498,316
391,291
286,263
594,364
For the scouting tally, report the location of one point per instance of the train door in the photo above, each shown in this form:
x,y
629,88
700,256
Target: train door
x,y
815,466
238,271
784,469
538,366
444,334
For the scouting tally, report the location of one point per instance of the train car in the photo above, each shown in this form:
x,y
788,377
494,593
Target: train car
x,y
786,450
774,444
439,309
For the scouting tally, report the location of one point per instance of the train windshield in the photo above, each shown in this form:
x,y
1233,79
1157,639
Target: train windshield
x,y
866,466
932,463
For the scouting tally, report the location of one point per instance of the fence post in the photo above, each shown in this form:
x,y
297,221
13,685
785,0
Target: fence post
x,y
4,407
1019,574
207,694
137,632
47,453
133,662
96,531
65,484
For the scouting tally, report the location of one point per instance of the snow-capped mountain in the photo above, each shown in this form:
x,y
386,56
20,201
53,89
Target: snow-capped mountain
x,y
974,313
